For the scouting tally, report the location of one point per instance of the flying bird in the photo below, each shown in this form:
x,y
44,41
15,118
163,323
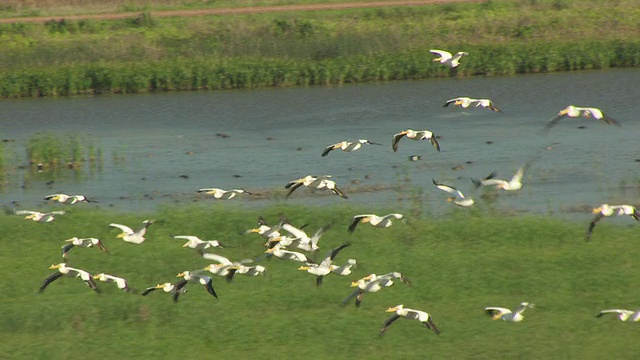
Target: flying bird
x,y
348,146
445,57
499,313
577,111
223,194
375,220
606,210
84,243
188,276
39,216
373,283
411,314
69,199
283,254
623,315
415,135
194,242
130,236
120,282
324,268
64,270
315,182
166,287
459,198
509,185
465,102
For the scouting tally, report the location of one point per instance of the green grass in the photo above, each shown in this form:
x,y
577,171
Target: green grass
x,y
145,53
458,264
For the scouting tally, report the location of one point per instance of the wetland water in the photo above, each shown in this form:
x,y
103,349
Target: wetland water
x,y
161,148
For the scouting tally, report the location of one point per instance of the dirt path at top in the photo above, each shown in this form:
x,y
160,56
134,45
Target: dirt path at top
x,y
238,10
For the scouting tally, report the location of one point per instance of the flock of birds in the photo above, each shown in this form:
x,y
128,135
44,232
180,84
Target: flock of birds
x,y
290,243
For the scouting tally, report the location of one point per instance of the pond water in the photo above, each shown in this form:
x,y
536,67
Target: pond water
x,y
161,148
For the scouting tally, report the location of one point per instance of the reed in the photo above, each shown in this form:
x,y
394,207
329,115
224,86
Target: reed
x,y
457,263
51,151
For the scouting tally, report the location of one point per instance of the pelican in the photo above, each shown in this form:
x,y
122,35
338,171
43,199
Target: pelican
x,y
375,220
194,242
401,311
64,270
224,266
223,194
344,269
317,182
324,268
129,235
305,242
166,287
605,210
251,270
577,111
188,276
68,199
623,315
120,282
497,313
459,198
445,57
39,216
465,102
415,135
84,242
514,184
348,146
373,283
281,253
264,230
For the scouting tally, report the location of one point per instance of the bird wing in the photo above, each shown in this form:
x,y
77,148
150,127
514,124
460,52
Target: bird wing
x,y
209,286
434,142
388,322
186,237
355,221
335,251
178,287
51,278
220,259
443,54
292,186
519,174
148,290
355,293
614,311
330,148
25,212
450,101
431,325
125,229
396,138
592,225
338,192
553,122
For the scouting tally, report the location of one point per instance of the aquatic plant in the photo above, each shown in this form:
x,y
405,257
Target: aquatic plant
x,y
49,150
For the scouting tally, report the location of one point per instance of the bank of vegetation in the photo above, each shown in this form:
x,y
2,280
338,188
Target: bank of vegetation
x,y
145,53
457,266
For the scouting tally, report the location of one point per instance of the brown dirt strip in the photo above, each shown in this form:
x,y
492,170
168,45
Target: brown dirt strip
x,y
239,10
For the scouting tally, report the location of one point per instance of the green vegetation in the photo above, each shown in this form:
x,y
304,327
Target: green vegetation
x,y
308,48
458,264
52,150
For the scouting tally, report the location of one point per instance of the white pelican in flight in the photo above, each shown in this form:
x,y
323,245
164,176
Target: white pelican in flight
x,y
324,268
465,102
499,313
305,242
606,210
130,236
411,314
194,242
514,184
373,283
39,216
188,276
345,269
281,253
120,282
68,199
623,315
415,135
348,146
445,57
223,194
315,182
167,288
224,266
375,220
264,230
84,243
64,270
459,198
577,111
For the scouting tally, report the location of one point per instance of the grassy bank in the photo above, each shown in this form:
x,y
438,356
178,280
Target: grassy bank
x,y
307,48
456,271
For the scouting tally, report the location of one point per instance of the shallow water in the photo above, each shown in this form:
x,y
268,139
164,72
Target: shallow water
x,y
276,135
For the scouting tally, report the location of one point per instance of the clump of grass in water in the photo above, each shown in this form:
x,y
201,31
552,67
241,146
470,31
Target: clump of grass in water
x,y
46,150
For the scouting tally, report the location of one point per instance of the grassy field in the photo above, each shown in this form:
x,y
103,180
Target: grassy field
x,y
145,53
457,264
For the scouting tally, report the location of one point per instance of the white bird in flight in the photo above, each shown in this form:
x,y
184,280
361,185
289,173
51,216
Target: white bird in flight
x,y
411,314
83,242
315,182
623,315
459,198
348,146
509,185
465,102
194,242
120,282
606,210
68,199
499,313
445,57
577,111
223,194
375,220
130,236
415,135
39,216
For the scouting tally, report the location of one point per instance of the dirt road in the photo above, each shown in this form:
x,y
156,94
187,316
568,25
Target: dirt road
x,y
239,10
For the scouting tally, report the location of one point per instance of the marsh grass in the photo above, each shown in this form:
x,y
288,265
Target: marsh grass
x,y
51,151
313,48
458,264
